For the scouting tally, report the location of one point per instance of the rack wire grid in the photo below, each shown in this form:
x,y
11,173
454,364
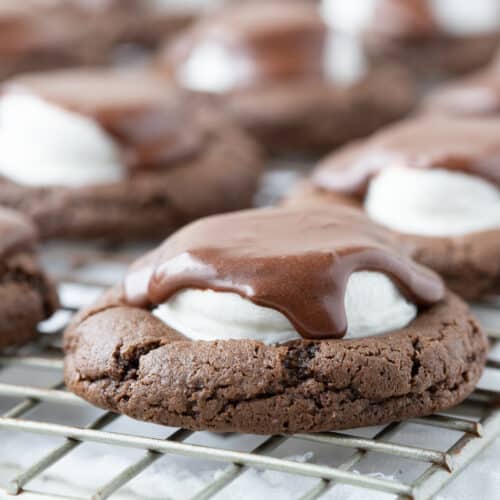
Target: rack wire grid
x,y
474,424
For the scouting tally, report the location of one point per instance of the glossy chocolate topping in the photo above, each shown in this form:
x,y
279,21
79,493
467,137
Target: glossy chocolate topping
x,y
470,145
17,233
403,19
269,39
297,261
152,122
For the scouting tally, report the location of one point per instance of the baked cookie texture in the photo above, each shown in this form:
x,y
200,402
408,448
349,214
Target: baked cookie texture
x,y
27,296
124,359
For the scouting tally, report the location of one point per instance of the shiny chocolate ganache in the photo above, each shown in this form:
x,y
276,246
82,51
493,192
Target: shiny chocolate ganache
x,y
468,145
296,261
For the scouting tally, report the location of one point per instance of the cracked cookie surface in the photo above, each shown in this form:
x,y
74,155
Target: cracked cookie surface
x,y
126,360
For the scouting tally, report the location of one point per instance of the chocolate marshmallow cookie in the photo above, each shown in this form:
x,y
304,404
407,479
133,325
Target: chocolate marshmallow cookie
x,y
434,181
282,75
117,155
434,37
26,295
276,320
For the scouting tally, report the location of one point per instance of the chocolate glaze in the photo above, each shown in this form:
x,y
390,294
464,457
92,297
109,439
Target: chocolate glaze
x,y
152,122
269,39
470,145
17,233
297,261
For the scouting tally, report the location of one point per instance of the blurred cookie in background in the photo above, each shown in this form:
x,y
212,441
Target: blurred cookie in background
x,y
285,77
118,155
436,38
45,34
434,181
35,35
27,296
477,94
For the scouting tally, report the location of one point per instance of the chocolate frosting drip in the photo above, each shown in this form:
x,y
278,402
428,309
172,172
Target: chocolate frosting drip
x,y
410,19
152,122
469,145
293,260
17,233
266,39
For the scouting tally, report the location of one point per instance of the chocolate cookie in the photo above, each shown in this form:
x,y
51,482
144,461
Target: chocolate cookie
x,y
26,295
279,74
139,157
463,147
120,356
433,39
37,35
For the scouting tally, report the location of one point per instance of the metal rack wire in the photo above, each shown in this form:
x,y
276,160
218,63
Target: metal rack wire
x,y
474,434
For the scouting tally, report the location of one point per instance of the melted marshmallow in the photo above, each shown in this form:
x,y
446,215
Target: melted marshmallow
x,y
464,17
432,202
44,145
212,68
373,305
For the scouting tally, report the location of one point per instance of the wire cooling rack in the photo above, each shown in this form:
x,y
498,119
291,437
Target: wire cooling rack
x,y
473,425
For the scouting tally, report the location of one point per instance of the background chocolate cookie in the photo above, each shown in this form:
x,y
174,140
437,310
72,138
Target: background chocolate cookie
x,y
433,38
26,295
139,157
279,74
37,35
